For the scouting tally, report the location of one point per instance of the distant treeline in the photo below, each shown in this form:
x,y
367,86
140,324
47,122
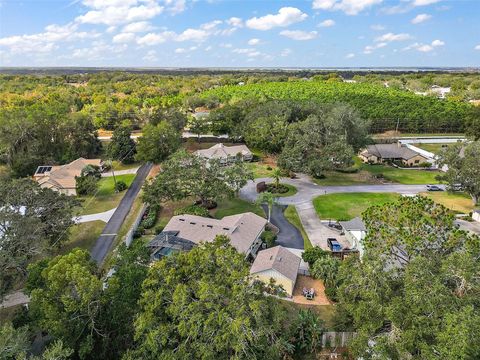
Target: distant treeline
x,y
385,108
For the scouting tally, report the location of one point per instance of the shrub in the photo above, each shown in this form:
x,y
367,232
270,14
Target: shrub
x,y
120,186
159,229
150,216
269,238
86,185
281,189
192,210
349,170
139,232
269,167
312,254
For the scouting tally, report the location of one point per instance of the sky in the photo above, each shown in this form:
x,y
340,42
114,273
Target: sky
x,y
240,33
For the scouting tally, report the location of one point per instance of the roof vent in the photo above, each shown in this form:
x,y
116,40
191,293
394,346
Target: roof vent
x,y
226,229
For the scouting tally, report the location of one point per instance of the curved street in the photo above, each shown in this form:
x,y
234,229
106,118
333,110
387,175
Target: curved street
x,y
307,190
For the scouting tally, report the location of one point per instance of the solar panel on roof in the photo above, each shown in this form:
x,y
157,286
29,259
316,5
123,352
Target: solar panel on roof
x,y
43,169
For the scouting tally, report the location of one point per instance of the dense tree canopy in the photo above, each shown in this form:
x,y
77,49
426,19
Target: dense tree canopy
x,y
32,221
384,107
157,142
416,289
122,147
201,305
185,175
463,162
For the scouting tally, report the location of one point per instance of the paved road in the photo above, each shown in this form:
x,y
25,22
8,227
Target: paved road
x,y
109,233
307,190
473,226
289,236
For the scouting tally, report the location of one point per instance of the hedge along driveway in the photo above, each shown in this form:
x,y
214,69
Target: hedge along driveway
x,y
346,206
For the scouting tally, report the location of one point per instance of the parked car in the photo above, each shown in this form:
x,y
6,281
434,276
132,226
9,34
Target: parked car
x,y
334,245
455,187
434,188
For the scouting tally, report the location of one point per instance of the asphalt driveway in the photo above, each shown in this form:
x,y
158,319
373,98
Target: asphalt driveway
x,y
289,236
109,233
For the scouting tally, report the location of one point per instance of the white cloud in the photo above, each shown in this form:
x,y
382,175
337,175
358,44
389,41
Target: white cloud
x,y
424,2
180,51
370,48
137,27
299,34
327,23
477,47
421,18
193,35
250,52
286,16
150,56
235,22
350,56
253,42
175,6
114,12
285,52
349,7
425,47
377,27
210,25
47,40
155,38
389,37
123,38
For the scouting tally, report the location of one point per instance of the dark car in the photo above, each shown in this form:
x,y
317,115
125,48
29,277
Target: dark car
x,y
334,245
434,188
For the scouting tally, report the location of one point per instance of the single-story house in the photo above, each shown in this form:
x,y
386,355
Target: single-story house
x,y
243,230
379,153
355,232
277,263
226,154
62,178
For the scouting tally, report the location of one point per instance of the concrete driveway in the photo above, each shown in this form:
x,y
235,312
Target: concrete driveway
x,y
103,216
289,236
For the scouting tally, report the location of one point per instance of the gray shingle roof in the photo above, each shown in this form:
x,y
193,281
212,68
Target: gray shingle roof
x,y
354,224
391,151
279,259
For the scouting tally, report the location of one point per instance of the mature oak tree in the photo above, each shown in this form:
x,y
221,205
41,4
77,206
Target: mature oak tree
x,y
158,142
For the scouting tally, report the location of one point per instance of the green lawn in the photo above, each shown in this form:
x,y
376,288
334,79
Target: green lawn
x,y
105,198
433,148
324,312
117,165
346,206
235,206
292,216
456,201
260,170
83,236
408,177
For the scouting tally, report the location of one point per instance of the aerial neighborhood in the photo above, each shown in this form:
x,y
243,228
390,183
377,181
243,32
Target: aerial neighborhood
x,y
239,214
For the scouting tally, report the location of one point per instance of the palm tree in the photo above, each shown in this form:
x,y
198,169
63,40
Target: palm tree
x,y
276,175
267,198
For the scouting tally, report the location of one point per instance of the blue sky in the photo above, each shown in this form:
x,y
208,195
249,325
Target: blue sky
x,y
251,33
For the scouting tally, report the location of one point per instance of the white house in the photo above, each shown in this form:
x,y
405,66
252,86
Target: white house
x,y
355,232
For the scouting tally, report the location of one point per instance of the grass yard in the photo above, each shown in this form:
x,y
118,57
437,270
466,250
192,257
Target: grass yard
x,y
457,202
433,148
346,206
235,206
292,216
324,312
260,170
117,165
106,198
407,177
333,178
83,236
